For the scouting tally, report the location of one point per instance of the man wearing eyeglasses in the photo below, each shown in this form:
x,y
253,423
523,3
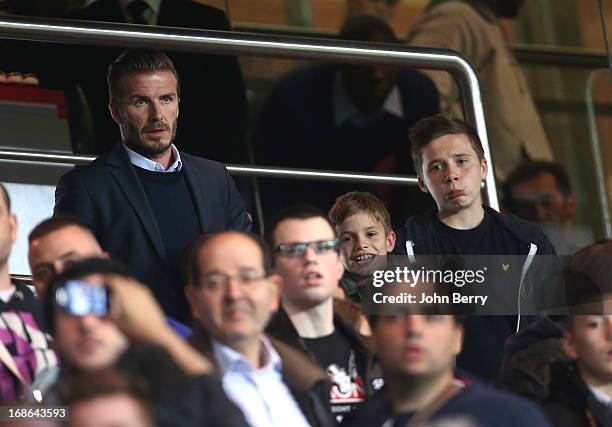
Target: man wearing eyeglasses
x,y
232,295
306,256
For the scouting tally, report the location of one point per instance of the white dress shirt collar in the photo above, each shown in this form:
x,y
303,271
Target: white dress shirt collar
x,y
148,164
229,359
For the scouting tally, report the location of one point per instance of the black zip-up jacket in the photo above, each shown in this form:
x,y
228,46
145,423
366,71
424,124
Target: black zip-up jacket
x,y
537,286
418,237
281,328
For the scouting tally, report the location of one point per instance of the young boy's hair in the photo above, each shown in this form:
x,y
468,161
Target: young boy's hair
x,y
434,127
355,202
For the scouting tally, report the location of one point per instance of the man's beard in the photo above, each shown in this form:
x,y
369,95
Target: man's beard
x,y
153,149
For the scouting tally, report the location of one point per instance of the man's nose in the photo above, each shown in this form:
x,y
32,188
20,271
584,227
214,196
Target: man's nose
x,y
452,173
309,253
413,324
88,323
233,290
155,111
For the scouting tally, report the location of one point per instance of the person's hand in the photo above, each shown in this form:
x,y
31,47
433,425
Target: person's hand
x,y
140,317
135,311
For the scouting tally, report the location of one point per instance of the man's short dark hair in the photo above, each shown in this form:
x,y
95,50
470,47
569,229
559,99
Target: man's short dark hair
x,y
300,211
199,242
53,224
5,196
434,127
76,271
138,61
531,169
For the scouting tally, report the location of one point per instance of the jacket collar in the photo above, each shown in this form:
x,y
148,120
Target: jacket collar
x,y
298,372
124,174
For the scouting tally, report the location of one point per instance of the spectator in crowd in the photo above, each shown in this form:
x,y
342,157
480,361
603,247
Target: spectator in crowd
x,y
124,196
531,355
306,256
450,164
541,192
108,397
363,227
54,245
25,353
472,28
233,293
101,318
214,108
580,390
316,114
417,353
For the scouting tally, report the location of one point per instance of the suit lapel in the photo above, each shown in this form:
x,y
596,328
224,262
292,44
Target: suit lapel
x,y
196,187
123,172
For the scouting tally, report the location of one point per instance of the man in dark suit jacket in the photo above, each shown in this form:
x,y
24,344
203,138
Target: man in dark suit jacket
x,y
144,200
214,108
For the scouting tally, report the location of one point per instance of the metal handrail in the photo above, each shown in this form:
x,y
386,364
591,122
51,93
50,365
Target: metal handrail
x,y
223,42
53,157
597,154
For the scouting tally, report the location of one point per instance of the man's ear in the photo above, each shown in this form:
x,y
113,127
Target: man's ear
x,y
458,335
567,344
114,110
192,300
484,168
570,206
391,238
422,185
13,223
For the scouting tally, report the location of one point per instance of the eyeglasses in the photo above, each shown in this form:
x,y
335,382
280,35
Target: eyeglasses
x,y
218,281
292,250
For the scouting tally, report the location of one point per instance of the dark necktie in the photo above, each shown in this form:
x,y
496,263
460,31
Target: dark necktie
x,y
136,10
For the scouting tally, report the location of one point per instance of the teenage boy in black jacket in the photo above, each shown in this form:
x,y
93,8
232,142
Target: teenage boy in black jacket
x,y
307,258
450,164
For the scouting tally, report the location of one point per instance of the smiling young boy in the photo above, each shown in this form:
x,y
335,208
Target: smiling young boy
x,y
363,226
449,159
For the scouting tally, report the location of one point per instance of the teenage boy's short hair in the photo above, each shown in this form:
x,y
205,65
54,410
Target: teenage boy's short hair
x,y
434,127
355,202
300,212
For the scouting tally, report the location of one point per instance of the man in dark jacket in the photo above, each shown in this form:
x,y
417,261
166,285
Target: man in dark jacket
x,y
232,294
450,164
306,256
417,354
